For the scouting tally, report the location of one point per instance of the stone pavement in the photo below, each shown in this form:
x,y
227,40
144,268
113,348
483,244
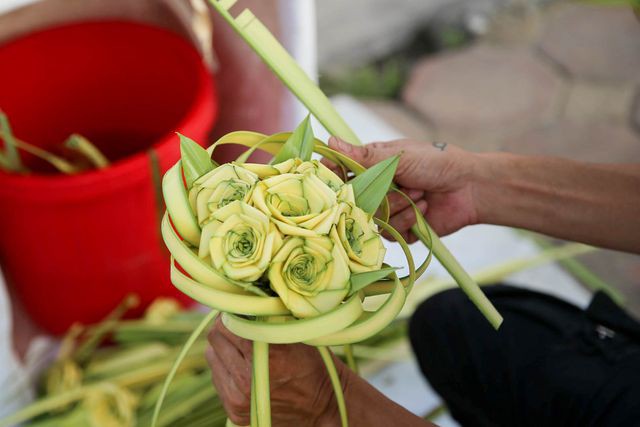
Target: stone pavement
x,y
581,68
566,82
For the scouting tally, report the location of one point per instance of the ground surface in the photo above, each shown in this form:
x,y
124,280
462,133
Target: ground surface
x,y
533,86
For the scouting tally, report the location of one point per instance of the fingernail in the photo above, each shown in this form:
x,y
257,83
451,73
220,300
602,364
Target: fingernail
x,y
422,205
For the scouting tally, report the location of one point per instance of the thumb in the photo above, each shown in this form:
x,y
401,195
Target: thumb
x,y
367,156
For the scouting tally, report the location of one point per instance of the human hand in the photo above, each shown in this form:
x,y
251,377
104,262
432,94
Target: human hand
x,y
301,392
437,177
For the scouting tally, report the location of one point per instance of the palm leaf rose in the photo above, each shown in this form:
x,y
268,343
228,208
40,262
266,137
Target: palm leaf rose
x,y
295,227
300,204
325,174
220,187
240,241
310,275
360,238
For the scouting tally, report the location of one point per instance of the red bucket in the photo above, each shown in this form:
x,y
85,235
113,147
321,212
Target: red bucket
x,y
73,246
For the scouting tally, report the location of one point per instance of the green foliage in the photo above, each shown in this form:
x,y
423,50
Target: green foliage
x,y
383,80
372,185
10,159
299,144
452,38
195,160
206,321
83,146
360,281
632,3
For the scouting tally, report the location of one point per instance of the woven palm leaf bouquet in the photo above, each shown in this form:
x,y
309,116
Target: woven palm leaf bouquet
x,y
286,252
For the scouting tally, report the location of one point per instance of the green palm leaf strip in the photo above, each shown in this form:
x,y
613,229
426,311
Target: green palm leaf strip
x,y
579,271
59,163
371,186
82,145
264,319
327,358
284,66
430,286
196,161
174,369
11,157
350,358
359,281
299,145
254,403
278,59
260,381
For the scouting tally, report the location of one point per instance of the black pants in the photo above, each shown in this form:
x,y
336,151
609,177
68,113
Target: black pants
x,y
550,364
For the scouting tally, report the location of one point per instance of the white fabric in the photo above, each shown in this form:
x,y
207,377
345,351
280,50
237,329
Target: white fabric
x,y
11,371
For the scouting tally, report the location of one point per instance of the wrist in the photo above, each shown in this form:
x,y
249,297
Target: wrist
x,y
489,177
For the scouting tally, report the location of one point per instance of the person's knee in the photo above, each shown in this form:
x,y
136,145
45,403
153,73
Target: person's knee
x,y
447,309
433,317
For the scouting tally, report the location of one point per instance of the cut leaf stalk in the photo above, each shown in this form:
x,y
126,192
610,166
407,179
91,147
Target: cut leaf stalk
x,y
82,145
261,375
327,358
11,150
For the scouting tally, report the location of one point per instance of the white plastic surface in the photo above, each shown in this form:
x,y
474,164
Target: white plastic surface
x,y
298,36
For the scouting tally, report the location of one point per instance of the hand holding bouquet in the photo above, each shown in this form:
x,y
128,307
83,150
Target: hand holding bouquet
x,y
286,252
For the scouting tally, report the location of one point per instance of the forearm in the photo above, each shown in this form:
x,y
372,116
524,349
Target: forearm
x,y
366,406
592,203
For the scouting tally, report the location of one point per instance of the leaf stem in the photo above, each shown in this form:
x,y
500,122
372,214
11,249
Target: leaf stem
x,y
57,162
11,150
335,382
464,280
82,145
183,353
254,405
351,360
582,273
97,334
261,375
43,406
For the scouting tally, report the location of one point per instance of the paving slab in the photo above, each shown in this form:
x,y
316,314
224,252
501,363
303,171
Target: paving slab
x,y
516,23
594,42
599,101
485,90
598,141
